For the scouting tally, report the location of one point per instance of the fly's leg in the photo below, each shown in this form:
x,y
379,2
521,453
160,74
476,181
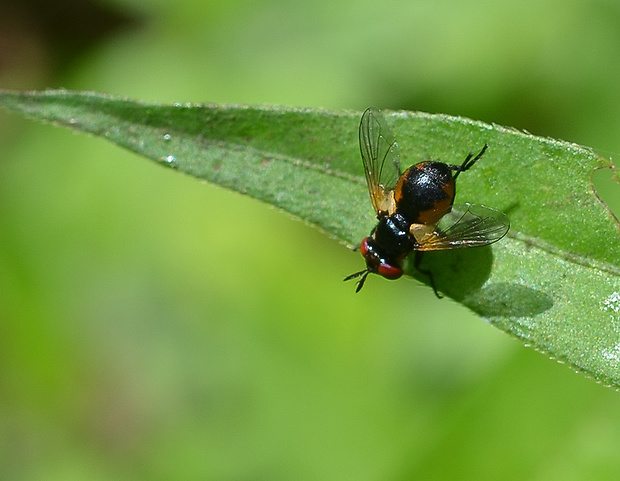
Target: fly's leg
x,y
416,263
468,163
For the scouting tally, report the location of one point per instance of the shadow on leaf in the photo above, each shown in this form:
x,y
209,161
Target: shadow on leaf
x,y
461,275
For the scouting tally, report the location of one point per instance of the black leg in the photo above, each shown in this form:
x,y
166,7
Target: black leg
x,y
469,161
416,263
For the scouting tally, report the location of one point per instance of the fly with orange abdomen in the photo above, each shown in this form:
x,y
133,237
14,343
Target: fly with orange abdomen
x,y
415,209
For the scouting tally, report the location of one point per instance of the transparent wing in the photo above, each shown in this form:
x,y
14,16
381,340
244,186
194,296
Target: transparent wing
x,y
466,225
380,156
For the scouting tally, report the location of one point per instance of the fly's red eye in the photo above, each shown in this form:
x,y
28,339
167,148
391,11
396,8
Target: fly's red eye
x,y
364,247
389,272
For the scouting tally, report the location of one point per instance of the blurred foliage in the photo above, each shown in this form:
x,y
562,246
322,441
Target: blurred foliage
x,y
154,327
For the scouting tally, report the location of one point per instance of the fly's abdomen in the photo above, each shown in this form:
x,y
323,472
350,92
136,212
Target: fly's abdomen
x,y
425,192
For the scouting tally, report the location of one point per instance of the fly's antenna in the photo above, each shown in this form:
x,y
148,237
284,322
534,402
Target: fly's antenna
x,y
360,283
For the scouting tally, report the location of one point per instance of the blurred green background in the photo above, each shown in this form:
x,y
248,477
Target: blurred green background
x,y
155,327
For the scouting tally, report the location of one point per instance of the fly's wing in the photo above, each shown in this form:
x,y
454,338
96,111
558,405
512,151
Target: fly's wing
x,y
466,225
380,156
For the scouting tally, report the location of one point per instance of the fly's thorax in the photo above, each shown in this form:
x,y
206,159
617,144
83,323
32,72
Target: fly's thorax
x,y
391,237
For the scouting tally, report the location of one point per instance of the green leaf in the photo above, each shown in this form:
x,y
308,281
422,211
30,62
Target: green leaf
x,y
553,282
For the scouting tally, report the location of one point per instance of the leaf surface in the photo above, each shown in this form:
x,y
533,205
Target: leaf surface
x,y
553,282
